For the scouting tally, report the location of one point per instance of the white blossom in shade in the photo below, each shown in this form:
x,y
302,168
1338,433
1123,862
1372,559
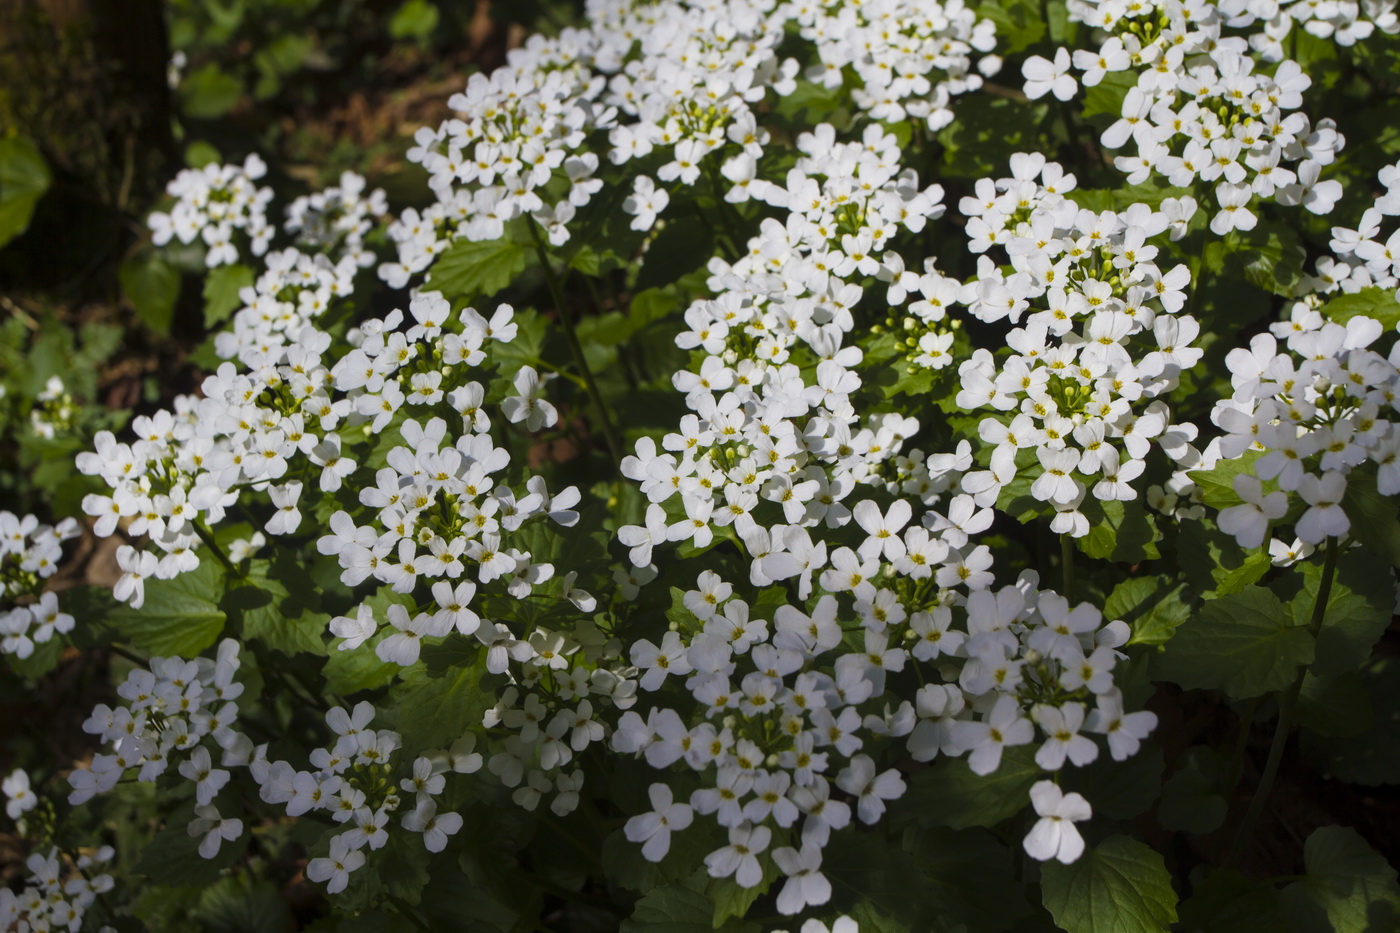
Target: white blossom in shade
x,y
985,740
658,662
806,885
1061,725
1049,77
19,798
1325,516
740,857
1054,835
645,202
527,405
336,868
871,790
1125,731
212,830
654,829
435,827
353,632
1249,521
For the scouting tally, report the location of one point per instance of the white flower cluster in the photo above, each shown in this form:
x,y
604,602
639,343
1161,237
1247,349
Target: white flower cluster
x,y
220,204
1366,256
335,221
911,58
1344,22
168,713
779,717
292,293
54,410
1103,341
1307,415
58,892
29,554
354,782
1198,108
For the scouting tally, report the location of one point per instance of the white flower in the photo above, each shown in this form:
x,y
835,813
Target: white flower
x,y
1054,835
654,829
336,868
1044,76
1249,521
1326,517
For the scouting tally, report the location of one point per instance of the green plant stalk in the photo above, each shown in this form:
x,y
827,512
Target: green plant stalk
x,y
605,420
204,535
1067,565
1287,711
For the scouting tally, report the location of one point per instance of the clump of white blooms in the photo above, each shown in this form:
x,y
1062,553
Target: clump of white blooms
x,y
362,782
29,554
54,412
1367,256
223,206
336,220
179,712
911,58
783,692
58,890
1101,337
1198,109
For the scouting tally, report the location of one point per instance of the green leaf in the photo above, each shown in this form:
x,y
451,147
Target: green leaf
x,y
1151,606
1336,705
1233,579
1373,757
209,93
1119,885
434,712
24,177
1374,302
1019,23
683,245
1120,789
1349,887
968,878
949,794
731,899
1224,901
172,856
1191,798
152,286
238,903
1360,606
1245,644
1123,532
1374,517
221,288
1217,484
470,270
1106,97
180,617
679,908
416,19
266,609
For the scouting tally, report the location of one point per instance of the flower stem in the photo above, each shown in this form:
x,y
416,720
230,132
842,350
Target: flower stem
x,y
1287,710
1067,565
591,384
208,538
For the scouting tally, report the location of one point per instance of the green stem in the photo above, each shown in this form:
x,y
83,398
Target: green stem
x,y
1241,743
591,384
208,538
1067,565
1287,710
